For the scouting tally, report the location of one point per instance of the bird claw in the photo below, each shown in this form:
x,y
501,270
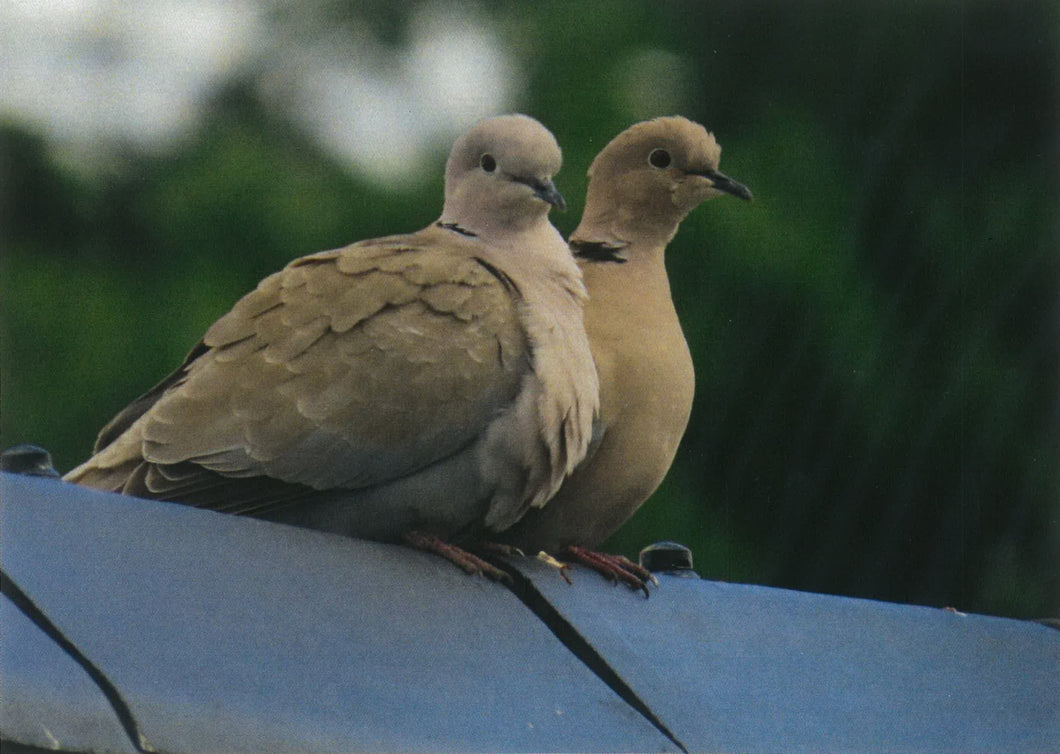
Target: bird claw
x,y
499,548
559,565
469,562
614,567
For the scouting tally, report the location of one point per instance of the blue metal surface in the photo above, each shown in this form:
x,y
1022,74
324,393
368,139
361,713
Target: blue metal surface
x,y
46,699
226,633
738,668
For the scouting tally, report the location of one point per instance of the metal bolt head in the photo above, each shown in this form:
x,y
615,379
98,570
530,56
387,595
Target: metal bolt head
x,y
668,557
30,460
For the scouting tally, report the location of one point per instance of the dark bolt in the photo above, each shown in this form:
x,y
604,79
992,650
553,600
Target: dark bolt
x,y
30,460
668,557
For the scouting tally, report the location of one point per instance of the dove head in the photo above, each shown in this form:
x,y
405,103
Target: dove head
x,y
650,176
499,176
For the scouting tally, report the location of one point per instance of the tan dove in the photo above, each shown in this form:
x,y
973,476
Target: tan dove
x,y
431,386
641,186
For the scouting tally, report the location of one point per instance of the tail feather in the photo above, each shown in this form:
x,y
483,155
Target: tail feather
x,y
109,478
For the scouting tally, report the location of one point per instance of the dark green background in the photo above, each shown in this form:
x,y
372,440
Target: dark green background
x,y
876,338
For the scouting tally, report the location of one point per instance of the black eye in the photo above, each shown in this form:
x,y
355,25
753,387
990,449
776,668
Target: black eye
x,y
487,163
659,158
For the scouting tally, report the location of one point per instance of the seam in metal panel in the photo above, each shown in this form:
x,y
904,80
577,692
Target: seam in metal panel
x,y
23,602
523,588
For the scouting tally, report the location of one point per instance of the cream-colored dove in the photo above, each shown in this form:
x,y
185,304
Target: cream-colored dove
x,y
431,386
641,186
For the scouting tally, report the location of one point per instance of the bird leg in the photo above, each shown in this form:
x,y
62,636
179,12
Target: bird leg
x,y
470,563
614,567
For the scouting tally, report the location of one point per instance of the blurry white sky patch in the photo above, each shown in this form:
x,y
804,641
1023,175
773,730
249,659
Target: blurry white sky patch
x,y
84,72
384,110
90,69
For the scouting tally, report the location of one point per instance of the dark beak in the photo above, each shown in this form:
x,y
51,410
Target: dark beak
x,y
727,185
547,191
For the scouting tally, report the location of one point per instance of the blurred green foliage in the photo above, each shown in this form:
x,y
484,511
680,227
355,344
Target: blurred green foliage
x,y
876,338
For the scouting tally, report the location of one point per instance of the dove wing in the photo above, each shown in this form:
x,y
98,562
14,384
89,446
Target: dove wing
x,y
346,369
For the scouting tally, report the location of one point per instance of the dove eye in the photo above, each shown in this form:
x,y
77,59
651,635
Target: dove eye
x,y
659,158
487,163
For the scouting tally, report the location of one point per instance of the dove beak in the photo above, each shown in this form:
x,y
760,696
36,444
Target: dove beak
x,y
546,191
725,184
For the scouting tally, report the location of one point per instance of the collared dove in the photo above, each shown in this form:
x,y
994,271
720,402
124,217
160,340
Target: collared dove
x,y
430,387
641,186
